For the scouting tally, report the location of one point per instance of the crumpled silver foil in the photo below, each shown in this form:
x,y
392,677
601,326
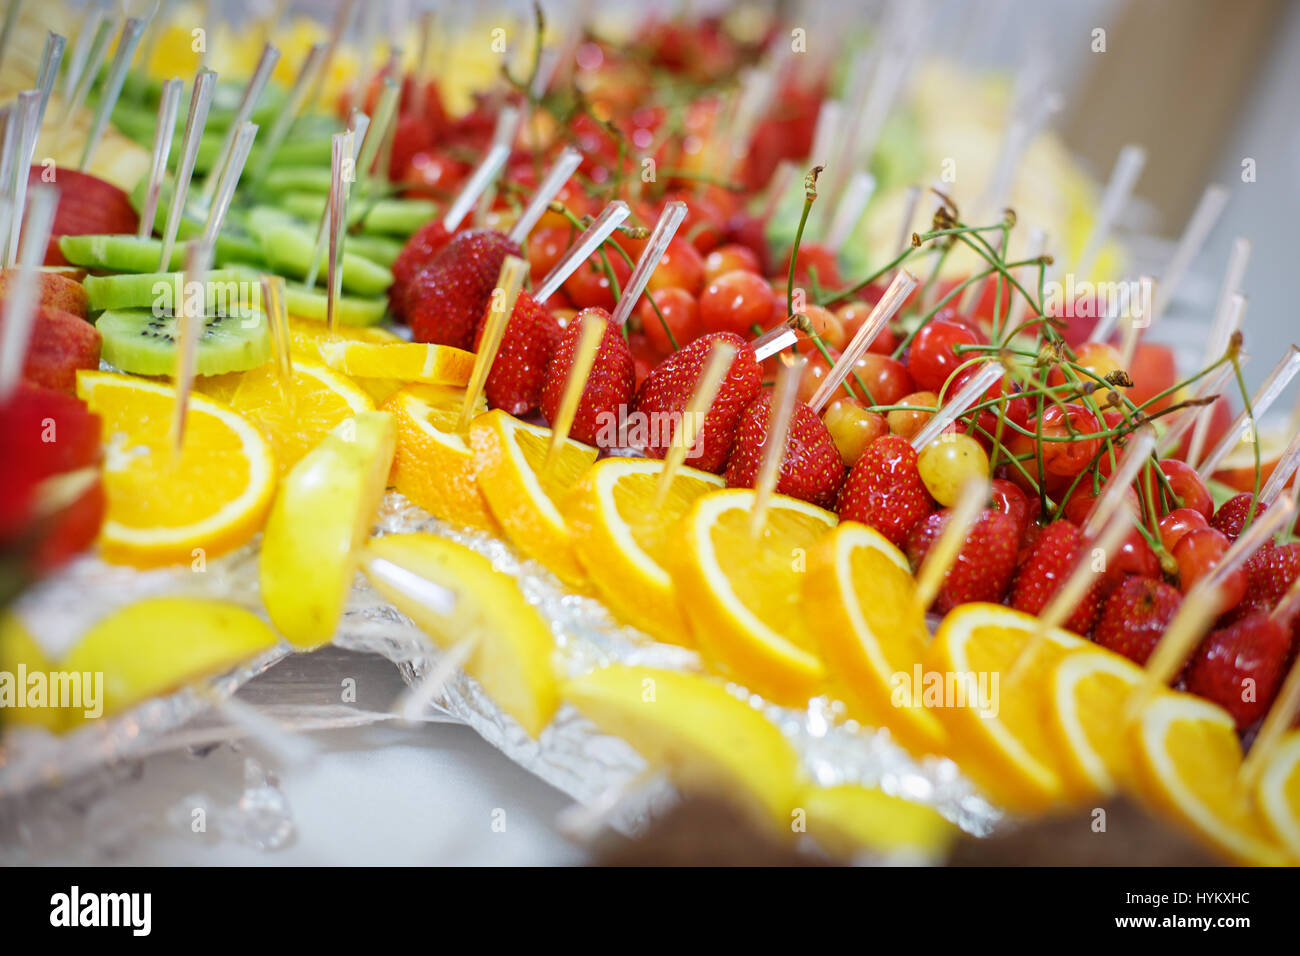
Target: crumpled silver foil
x,y
571,754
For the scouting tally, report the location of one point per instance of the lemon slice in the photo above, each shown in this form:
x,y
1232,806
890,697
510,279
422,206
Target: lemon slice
x,y
871,632
743,596
319,399
434,465
624,543
850,819
158,645
401,361
18,649
472,601
688,725
1087,692
162,507
1278,795
998,734
524,496
321,517
1187,758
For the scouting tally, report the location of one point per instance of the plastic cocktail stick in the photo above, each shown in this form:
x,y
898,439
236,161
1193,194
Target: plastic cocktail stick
x,y
423,56
1281,715
1193,239
565,165
51,57
28,113
198,260
384,161
385,113
953,408
200,101
289,110
830,119
850,209
475,186
367,28
774,340
1139,319
229,180
584,357
22,295
1019,134
778,431
1267,394
1137,451
1282,472
359,127
1123,177
1203,602
509,281
684,436
94,19
168,107
756,91
341,152
777,187
342,19
601,229
507,128
1223,325
1209,386
655,248
7,31
976,289
884,310
1035,247
277,319
90,70
132,30
911,199
247,103
961,519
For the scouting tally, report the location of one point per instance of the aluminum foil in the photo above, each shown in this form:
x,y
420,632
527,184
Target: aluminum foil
x,y
571,754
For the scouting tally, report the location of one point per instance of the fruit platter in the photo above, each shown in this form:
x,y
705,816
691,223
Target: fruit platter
x,y
652,403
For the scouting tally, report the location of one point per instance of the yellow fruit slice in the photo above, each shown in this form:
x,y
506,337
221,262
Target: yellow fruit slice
x,y
307,336
157,645
523,495
320,399
1186,760
743,596
472,601
624,543
161,507
1087,692
871,632
850,819
321,518
705,738
997,733
403,361
434,465
20,655
1278,794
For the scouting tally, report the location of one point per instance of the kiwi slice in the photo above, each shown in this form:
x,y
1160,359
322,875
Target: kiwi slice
x,y
288,250
156,291
314,304
118,253
138,341
383,250
398,217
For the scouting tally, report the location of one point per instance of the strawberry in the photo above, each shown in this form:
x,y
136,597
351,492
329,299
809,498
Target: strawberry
x,y
519,370
609,389
1240,666
412,135
60,344
445,301
884,489
418,253
1135,616
1231,516
1269,573
811,468
667,390
984,565
1052,560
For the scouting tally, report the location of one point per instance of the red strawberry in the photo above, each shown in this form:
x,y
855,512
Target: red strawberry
x,y
610,386
1240,666
1231,516
884,489
1052,560
519,370
1135,616
984,565
418,254
811,469
667,390
445,301
412,135
61,343
1269,572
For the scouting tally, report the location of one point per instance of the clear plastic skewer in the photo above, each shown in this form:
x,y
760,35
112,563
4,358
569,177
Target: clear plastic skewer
x,y
27,116
565,165
51,57
90,70
90,28
971,391
23,294
587,243
1231,321
697,408
669,221
290,109
168,108
1119,188
243,113
132,30
1261,401
778,430
243,143
200,101
1198,228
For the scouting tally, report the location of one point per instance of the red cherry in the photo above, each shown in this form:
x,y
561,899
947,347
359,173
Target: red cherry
x,y
546,246
886,379
680,312
589,287
853,314
434,172
735,302
1188,486
814,257
1178,523
729,258
1011,500
827,326
1063,459
1133,557
933,357
681,267
1197,552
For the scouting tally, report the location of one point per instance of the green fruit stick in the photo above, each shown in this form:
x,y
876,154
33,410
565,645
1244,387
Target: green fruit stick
x,y
168,107
200,101
252,94
20,303
243,142
289,109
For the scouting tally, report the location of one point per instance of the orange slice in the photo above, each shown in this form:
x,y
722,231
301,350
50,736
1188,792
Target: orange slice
x,y
1087,693
523,494
871,632
434,465
743,596
849,819
1278,794
402,361
1187,758
624,543
162,507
